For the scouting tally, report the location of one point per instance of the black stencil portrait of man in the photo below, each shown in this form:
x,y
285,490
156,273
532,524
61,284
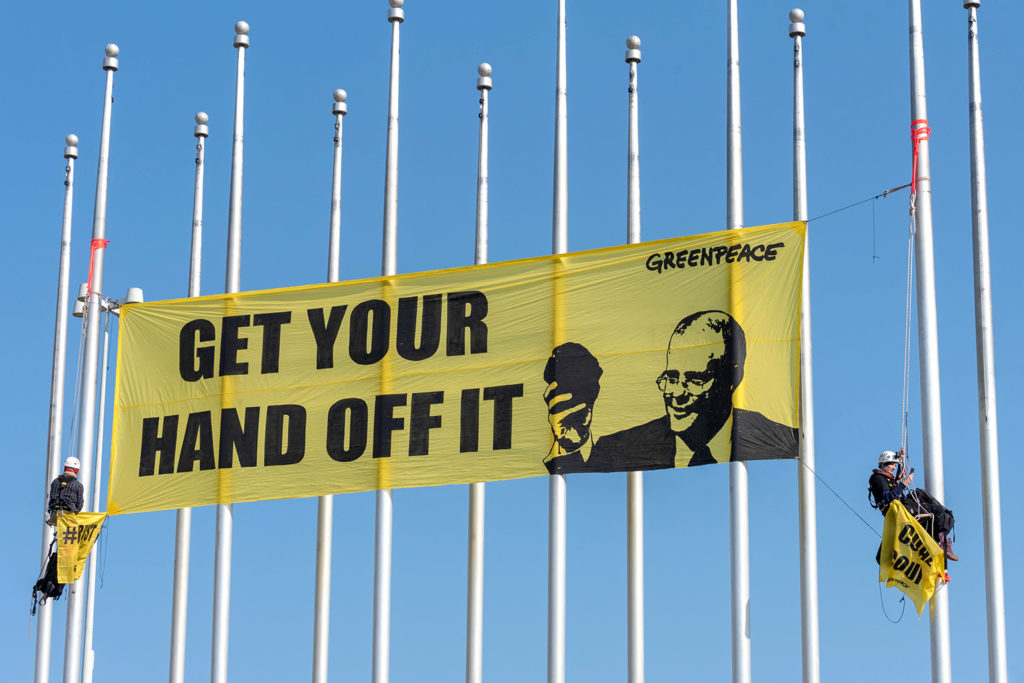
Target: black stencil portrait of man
x,y
703,367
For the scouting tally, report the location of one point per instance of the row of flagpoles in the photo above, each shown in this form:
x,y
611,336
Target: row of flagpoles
x,y
88,442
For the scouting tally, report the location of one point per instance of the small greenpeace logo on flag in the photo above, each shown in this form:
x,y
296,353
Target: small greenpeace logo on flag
x,y
712,256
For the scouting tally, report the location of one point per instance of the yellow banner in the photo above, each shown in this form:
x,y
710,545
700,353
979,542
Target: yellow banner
x,y
76,534
663,354
911,559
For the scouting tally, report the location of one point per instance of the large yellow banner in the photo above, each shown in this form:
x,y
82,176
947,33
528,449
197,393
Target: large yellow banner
x,y
663,354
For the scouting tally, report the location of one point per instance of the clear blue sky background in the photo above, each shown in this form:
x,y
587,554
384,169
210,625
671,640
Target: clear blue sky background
x,y
177,59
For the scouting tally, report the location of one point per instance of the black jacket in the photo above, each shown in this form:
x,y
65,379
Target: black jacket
x,y
66,493
884,489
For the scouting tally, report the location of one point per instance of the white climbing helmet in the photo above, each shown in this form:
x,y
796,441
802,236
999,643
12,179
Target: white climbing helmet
x,y
886,457
72,464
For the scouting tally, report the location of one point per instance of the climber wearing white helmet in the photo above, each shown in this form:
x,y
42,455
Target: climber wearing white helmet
x,y
888,483
66,493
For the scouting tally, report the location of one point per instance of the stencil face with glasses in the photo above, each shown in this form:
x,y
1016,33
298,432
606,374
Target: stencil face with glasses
x,y
701,370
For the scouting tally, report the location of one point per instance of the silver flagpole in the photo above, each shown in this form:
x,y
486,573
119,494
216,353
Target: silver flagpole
x,y
805,472
232,284
560,217
475,572
739,515
634,480
633,156
340,110
556,482
927,325
44,623
380,670
183,526
87,388
90,594
986,366
325,504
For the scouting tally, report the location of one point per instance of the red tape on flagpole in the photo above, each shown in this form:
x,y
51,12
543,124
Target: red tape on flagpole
x,y
917,135
102,244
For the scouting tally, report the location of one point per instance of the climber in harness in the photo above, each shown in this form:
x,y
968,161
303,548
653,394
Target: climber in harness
x,y
889,482
66,493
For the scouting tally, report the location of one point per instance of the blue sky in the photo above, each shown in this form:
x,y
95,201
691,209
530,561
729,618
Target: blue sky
x,y
175,63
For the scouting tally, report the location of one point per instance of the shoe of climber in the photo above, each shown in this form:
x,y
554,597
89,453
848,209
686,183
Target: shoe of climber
x,y
947,547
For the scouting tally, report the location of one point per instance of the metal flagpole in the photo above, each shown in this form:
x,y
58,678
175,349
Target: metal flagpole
x,y
380,671
560,213
634,480
97,465
739,515
931,414
986,366
805,472
475,571
183,526
87,388
633,156
340,110
325,504
232,284
44,623
556,482
484,85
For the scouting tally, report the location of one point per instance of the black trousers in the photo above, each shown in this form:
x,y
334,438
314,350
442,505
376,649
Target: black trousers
x,y
920,502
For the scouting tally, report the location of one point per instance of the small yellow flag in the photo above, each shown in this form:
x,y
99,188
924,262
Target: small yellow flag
x,y
911,559
76,535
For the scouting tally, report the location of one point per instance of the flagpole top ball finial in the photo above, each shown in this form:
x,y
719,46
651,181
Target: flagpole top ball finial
x,y
201,130
484,82
396,13
796,27
242,34
110,61
340,108
633,49
71,150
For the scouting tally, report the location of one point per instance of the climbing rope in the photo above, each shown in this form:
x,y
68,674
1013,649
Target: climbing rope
x,y
880,195
903,606
72,440
840,498
919,132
